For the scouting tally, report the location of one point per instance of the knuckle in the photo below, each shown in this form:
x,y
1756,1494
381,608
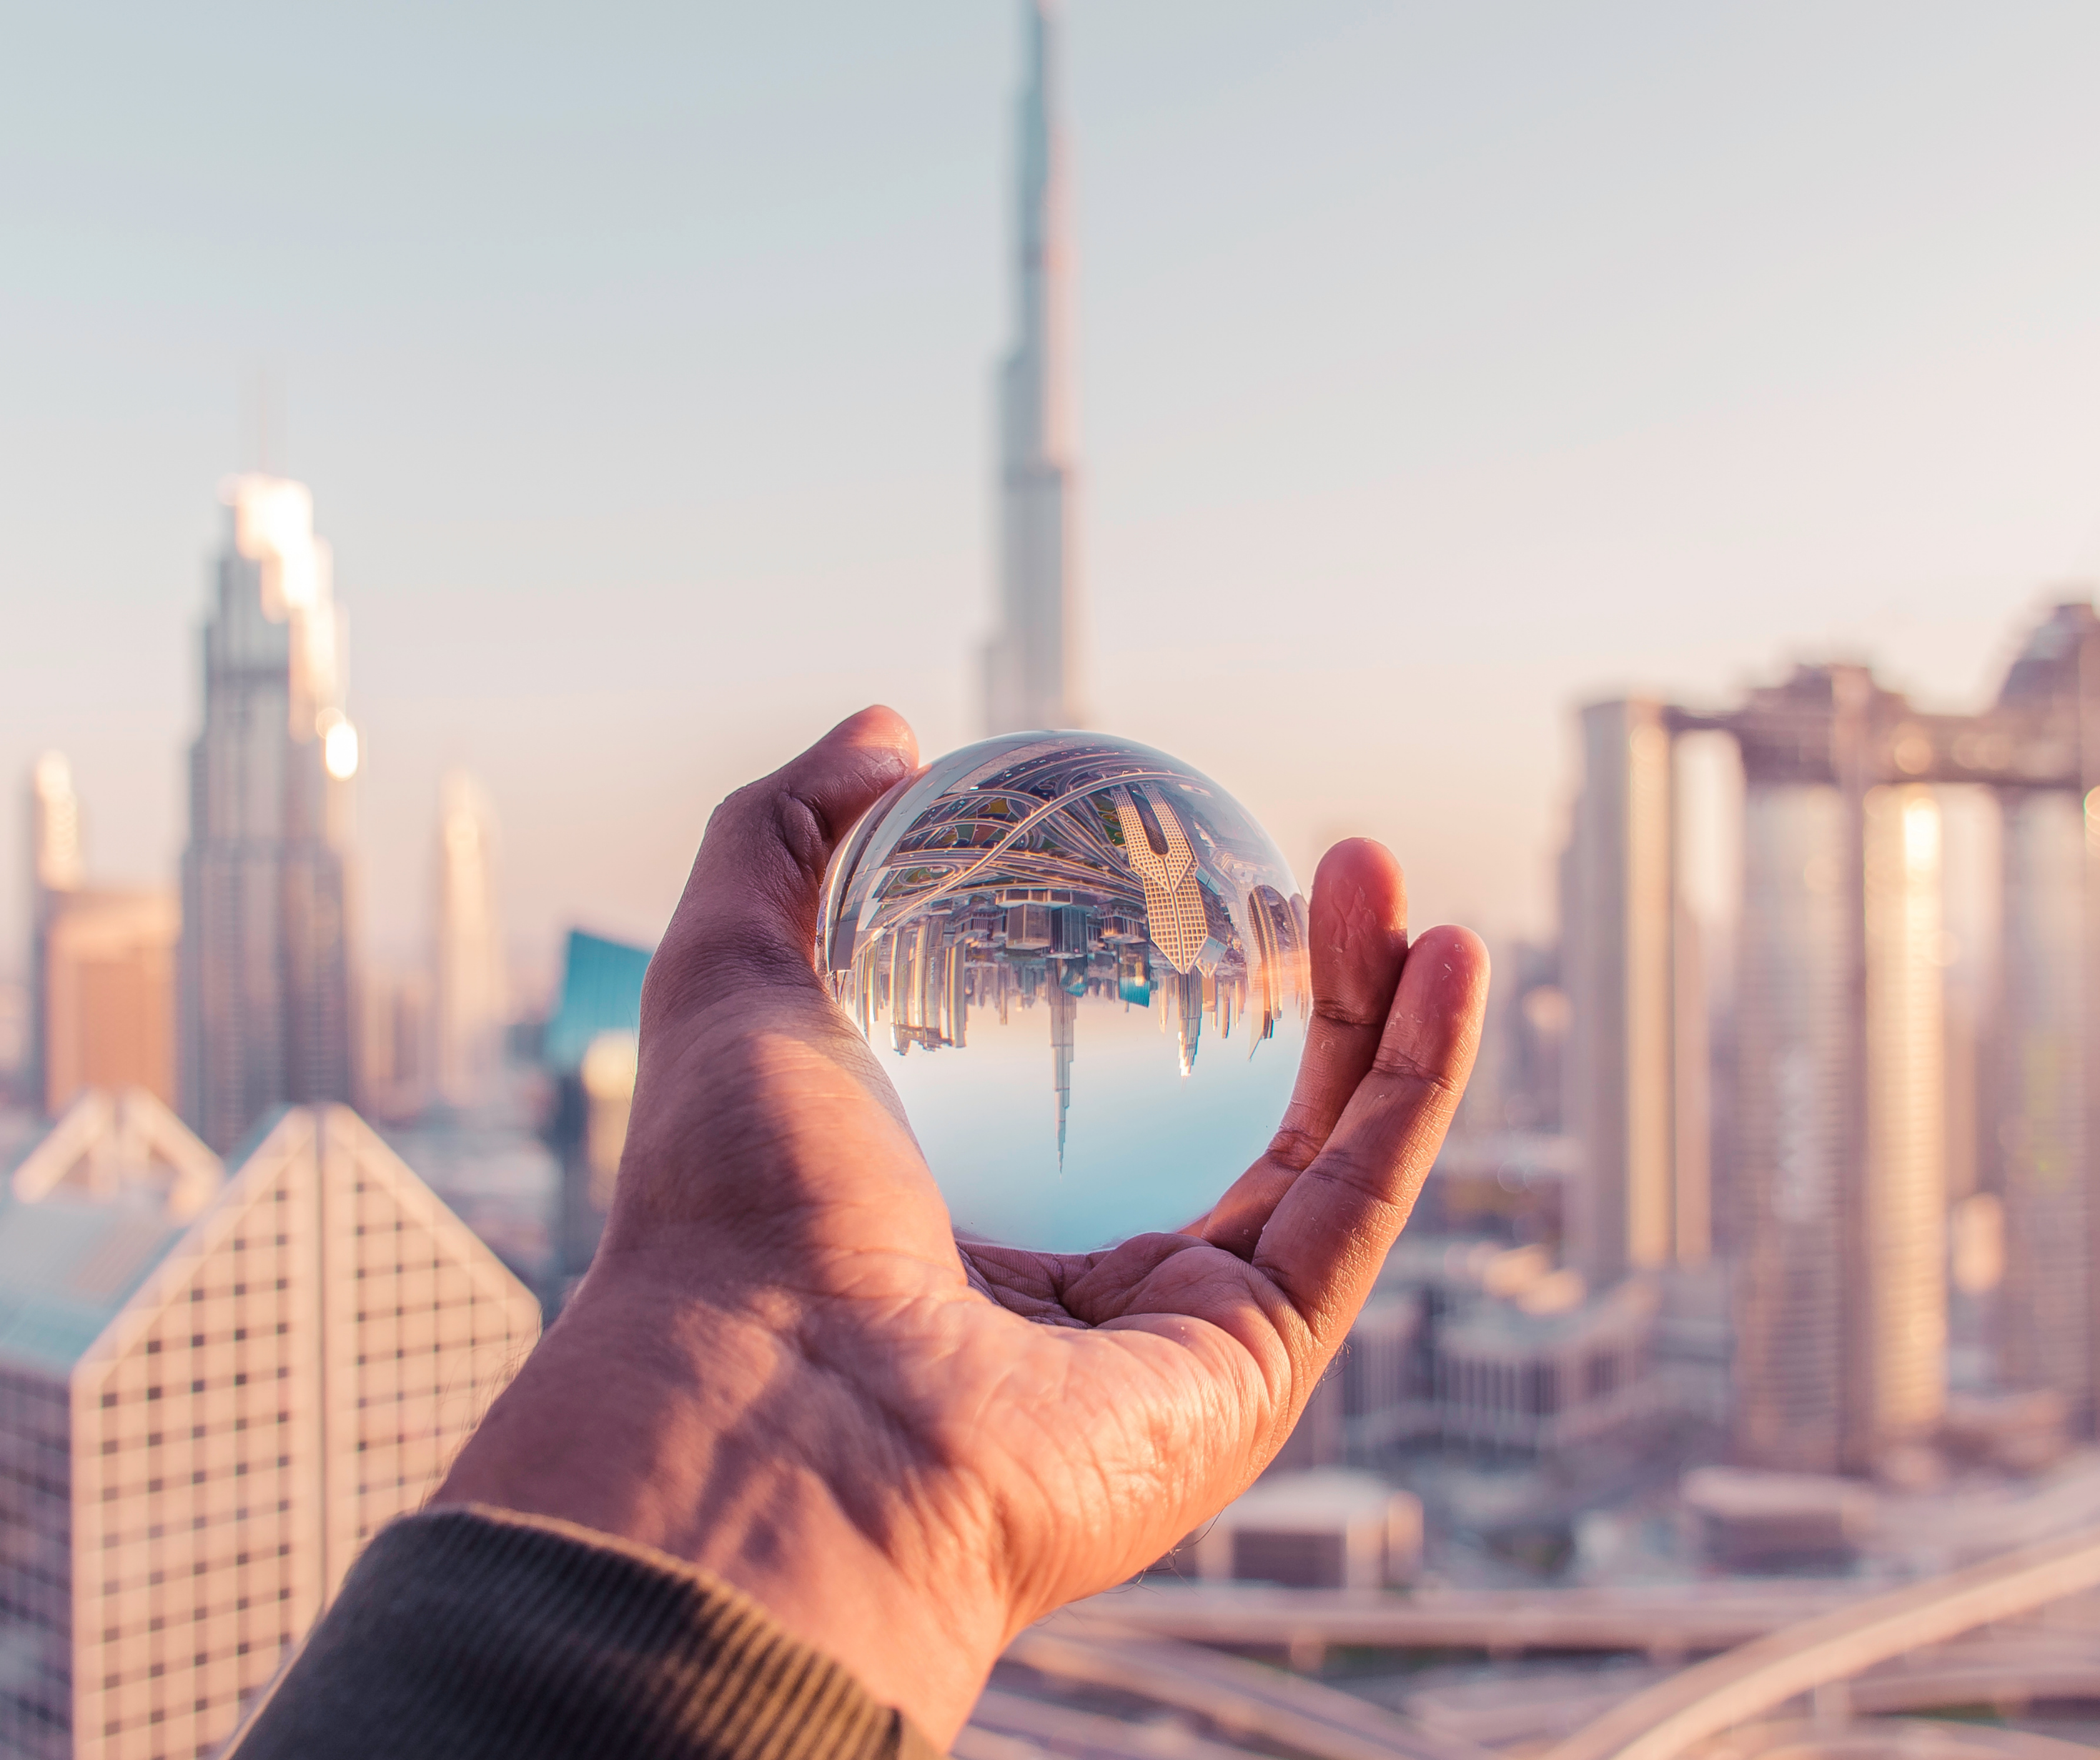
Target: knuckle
x,y
732,956
1338,1012
804,831
1347,1166
1402,1065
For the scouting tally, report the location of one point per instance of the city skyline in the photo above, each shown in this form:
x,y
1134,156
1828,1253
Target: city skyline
x,y
1584,457
1408,334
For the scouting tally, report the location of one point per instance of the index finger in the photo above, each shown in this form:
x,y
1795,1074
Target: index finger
x,y
1329,1232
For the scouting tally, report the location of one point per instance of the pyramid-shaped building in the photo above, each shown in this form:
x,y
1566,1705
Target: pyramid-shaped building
x,y
213,1388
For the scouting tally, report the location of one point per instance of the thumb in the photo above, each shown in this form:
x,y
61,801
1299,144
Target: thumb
x,y
748,917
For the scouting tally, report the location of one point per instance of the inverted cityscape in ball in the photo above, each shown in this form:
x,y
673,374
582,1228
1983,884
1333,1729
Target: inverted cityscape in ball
x,y
1089,962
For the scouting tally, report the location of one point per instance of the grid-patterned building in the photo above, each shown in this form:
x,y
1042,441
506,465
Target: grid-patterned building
x,y
213,1389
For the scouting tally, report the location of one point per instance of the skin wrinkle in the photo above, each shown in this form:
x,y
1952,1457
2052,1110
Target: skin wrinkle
x,y
788,1421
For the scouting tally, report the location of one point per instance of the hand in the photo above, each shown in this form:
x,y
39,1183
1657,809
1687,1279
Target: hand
x,y
783,1367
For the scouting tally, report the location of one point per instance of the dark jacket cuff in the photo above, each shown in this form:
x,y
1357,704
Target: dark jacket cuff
x,y
472,1632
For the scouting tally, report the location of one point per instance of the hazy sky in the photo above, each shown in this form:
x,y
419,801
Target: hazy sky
x,y
1440,366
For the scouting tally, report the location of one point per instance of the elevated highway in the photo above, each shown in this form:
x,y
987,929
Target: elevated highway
x,y
1239,1699
1662,1620
1667,1720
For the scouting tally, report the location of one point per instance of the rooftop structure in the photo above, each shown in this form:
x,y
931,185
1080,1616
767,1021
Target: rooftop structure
x,y
1326,1529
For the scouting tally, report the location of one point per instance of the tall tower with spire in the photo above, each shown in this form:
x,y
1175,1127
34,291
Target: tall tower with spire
x,y
1032,662
265,981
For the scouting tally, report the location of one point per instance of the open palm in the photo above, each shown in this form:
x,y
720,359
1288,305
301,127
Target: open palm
x,y
783,1366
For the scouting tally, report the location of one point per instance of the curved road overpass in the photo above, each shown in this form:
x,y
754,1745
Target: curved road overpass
x,y
1662,1722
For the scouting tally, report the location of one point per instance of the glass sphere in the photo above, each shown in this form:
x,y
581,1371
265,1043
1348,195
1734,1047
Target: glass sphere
x,y
1089,963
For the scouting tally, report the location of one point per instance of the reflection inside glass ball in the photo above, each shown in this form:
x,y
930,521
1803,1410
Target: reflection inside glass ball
x,y
1067,939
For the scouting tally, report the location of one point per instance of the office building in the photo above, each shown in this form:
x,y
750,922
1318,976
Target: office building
x,y
108,995
101,992
1032,664
266,970
469,992
1635,1063
213,1388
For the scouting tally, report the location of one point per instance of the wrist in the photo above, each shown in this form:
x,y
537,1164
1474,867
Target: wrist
x,y
677,1425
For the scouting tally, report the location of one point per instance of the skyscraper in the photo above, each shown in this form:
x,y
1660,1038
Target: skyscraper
x,y
55,876
1630,1081
1032,663
266,964
470,986
1841,1290
1837,1196
2047,1050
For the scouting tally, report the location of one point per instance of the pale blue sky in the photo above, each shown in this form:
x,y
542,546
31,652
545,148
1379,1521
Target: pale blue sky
x,y
1440,366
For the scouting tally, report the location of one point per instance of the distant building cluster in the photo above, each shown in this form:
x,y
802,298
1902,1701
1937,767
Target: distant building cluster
x,y
234,1342
1831,1208
1843,1142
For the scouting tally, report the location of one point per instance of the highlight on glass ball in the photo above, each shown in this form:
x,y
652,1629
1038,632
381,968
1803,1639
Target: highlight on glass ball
x,y
1090,964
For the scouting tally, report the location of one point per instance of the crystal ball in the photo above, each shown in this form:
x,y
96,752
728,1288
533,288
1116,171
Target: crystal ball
x,y
1088,964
